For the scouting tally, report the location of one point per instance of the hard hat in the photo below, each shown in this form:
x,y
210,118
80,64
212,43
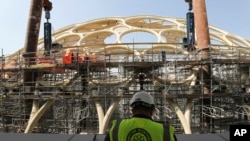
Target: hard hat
x,y
142,98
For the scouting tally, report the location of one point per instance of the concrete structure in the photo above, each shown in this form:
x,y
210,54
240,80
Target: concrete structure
x,y
87,82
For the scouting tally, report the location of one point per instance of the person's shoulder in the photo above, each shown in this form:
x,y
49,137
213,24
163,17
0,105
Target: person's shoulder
x,y
120,120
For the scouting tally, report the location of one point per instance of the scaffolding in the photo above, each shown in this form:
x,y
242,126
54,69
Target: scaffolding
x,y
89,91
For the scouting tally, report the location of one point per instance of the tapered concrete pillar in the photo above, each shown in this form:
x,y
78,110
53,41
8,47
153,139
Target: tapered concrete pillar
x,y
201,24
33,28
30,48
203,41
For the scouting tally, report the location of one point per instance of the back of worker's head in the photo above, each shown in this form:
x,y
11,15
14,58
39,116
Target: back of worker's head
x,y
142,99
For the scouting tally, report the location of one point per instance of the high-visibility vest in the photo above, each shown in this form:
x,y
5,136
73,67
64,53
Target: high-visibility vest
x,y
140,129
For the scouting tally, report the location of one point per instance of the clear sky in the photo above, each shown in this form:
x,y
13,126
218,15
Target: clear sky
x,y
229,15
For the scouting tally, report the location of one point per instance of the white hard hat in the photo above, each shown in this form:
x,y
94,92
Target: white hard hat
x,y
142,98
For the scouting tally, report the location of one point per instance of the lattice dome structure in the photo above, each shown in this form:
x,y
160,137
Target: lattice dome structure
x,y
96,66
163,30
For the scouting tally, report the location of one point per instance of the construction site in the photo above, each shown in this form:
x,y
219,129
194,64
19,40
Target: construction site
x,y
198,74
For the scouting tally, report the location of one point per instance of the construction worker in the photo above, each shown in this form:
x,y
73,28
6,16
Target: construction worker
x,y
140,127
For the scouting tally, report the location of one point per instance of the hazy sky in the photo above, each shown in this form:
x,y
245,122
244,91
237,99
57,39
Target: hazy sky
x,y
229,15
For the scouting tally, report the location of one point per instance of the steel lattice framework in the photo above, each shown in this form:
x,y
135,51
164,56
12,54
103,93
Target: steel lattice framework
x,y
89,80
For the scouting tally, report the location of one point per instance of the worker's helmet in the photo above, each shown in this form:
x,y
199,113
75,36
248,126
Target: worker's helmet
x,y
142,98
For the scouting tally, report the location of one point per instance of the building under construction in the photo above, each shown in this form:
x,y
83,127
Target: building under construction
x,y
77,81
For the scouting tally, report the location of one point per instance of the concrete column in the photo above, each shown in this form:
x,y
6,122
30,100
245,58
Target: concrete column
x,y
30,48
33,27
203,42
201,24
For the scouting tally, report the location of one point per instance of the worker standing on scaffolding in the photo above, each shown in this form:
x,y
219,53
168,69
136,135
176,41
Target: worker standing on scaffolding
x,y
141,126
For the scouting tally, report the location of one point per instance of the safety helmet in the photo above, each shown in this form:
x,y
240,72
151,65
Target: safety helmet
x,y
142,98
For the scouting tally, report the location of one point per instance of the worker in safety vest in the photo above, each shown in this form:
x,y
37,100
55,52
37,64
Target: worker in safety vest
x,y
141,127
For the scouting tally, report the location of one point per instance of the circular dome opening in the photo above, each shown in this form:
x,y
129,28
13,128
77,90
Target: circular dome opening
x,y
110,39
139,37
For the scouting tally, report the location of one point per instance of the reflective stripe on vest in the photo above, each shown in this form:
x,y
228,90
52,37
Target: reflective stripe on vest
x,y
166,134
114,133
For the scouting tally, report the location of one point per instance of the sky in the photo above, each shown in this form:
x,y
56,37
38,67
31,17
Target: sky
x,y
232,16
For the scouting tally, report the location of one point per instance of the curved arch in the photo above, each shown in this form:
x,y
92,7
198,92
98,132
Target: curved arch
x,y
170,49
96,25
68,40
140,30
96,37
115,49
238,41
173,35
151,22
